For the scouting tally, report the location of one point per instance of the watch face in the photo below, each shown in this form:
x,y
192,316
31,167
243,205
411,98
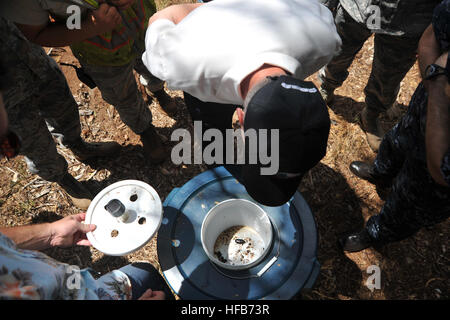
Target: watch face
x,y
434,70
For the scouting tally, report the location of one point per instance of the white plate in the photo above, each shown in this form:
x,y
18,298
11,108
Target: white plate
x,y
130,232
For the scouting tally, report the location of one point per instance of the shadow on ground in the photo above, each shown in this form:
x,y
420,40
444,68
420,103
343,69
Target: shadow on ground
x,y
414,268
337,210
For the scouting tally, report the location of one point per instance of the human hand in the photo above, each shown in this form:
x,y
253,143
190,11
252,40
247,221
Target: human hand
x,y
105,18
153,295
428,51
70,231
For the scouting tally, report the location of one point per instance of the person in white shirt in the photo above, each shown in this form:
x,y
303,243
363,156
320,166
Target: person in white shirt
x,y
221,51
208,49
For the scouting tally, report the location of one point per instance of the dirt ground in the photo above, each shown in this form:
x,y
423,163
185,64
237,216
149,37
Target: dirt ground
x,y
415,268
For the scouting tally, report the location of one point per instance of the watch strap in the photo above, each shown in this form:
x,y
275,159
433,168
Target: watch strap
x,y
436,70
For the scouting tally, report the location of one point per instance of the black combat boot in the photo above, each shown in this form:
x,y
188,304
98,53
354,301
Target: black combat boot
x,y
154,149
86,150
356,241
165,101
364,171
327,94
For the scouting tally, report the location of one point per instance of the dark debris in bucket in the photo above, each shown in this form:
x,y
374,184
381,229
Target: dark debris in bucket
x,y
238,245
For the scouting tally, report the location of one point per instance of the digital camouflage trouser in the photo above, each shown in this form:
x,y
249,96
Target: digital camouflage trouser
x,y
36,94
119,88
415,200
393,57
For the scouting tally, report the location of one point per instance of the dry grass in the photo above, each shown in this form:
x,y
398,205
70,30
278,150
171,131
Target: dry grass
x,y
416,268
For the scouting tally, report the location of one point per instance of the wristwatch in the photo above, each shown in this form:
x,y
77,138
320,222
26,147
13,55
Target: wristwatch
x,y
434,70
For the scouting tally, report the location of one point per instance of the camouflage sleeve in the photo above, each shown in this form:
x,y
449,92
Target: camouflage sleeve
x,y
330,4
441,24
151,7
445,167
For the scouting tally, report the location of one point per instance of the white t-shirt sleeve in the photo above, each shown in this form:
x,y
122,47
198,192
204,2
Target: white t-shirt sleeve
x,y
28,12
153,56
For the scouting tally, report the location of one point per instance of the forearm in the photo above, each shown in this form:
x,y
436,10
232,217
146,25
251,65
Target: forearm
x,y
437,136
32,237
174,13
58,35
428,50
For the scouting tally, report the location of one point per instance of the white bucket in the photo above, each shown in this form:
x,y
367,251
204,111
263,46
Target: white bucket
x,y
236,234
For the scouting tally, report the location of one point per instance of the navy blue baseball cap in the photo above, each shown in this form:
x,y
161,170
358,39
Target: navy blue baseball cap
x,y
297,110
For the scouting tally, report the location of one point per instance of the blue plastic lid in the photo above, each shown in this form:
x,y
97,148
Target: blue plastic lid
x,y
290,265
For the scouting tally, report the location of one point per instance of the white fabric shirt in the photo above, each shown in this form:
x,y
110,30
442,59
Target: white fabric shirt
x,y
218,44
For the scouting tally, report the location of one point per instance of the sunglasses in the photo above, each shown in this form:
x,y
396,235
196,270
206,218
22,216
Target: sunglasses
x,y
9,145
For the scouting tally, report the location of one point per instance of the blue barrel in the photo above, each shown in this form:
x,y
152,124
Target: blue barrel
x,y
290,266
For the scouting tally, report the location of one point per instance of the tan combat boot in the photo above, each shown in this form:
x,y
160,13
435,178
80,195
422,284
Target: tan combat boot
x,y
81,197
369,123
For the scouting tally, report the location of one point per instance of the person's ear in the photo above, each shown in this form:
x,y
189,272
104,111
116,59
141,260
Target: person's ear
x,y
241,116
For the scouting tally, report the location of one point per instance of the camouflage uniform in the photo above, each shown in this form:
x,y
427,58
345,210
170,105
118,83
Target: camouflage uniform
x,y
415,200
111,63
395,44
118,87
37,93
441,25
110,59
